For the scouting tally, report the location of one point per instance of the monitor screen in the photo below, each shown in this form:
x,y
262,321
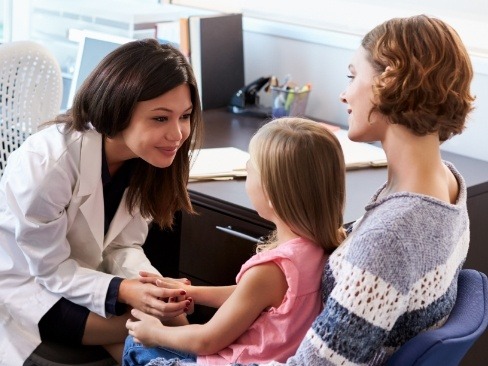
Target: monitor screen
x,y
93,47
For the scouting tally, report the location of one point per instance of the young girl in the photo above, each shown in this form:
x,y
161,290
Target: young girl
x,y
76,199
296,179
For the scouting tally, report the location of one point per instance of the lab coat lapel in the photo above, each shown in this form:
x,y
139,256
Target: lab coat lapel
x,y
119,222
91,184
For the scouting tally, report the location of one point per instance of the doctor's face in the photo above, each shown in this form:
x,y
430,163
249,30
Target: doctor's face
x,y
159,127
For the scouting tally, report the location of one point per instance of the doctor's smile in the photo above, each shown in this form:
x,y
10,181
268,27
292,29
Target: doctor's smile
x,y
157,129
168,150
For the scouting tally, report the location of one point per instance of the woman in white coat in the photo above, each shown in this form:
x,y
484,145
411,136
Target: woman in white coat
x,y
76,199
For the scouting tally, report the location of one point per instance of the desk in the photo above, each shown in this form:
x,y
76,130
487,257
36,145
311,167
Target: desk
x,y
208,254
225,129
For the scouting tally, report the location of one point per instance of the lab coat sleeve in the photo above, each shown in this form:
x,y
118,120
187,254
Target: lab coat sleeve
x,y
38,191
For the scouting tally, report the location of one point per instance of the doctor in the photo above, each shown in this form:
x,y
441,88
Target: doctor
x,y
76,199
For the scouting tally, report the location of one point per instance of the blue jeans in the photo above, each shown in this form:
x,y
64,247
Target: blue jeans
x,y
135,354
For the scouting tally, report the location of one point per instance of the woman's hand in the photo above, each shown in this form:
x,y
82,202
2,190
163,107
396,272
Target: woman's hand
x,y
144,328
170,283
166,282
161,302
148,277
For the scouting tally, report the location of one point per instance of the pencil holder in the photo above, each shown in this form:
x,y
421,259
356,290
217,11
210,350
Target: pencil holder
x,y
289,102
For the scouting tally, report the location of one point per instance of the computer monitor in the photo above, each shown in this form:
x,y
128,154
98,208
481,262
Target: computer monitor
x,y
93,47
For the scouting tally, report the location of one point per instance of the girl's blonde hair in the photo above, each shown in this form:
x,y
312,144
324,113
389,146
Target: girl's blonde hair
x,y
302,171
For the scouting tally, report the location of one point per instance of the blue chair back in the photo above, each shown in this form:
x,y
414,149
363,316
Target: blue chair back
x,y
448,344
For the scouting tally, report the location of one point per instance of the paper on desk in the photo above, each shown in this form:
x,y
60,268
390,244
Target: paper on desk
x,y
218,163
360,154
229,162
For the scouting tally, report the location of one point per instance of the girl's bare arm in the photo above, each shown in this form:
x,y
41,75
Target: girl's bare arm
x,y
260,288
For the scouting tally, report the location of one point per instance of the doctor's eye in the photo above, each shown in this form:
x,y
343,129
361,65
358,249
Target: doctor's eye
x,y
160,119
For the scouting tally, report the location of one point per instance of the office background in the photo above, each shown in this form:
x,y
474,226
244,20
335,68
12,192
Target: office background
x,y
314,43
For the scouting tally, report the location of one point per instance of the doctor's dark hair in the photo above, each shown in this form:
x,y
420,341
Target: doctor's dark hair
x,y
134,72
423,75
302,171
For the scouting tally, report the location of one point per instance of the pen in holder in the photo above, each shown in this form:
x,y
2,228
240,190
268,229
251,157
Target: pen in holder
x,y
289,102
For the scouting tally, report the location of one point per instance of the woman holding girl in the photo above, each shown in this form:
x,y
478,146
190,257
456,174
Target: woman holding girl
x,y
396,274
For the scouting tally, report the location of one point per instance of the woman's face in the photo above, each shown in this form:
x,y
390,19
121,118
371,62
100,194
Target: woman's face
x,y
358,96
159,127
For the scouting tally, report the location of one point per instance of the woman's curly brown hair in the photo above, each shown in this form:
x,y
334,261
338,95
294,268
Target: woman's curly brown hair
x,y
424,75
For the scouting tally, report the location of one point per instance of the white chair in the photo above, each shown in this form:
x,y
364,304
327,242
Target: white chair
x,y
31,88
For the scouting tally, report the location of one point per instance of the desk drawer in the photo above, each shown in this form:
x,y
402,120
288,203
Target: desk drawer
x,y
215,245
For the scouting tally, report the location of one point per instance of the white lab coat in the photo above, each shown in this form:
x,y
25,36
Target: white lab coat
x,y
52,241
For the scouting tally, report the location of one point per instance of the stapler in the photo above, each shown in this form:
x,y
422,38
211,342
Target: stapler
x,y
246,100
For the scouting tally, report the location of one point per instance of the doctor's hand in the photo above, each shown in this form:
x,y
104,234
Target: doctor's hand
x,y
170,283
163,303
148,277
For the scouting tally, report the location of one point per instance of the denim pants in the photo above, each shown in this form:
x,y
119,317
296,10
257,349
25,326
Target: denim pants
x,y
135,354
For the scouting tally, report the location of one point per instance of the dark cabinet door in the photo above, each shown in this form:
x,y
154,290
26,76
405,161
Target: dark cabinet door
x,y
162,247
215,245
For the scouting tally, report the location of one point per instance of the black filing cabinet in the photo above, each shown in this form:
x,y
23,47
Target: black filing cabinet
x,y
213,247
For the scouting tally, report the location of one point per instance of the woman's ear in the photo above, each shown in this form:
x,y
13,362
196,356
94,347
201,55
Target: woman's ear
x,y
386,76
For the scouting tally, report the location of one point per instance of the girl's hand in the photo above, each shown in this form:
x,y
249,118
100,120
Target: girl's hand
x,y
144,328
154,300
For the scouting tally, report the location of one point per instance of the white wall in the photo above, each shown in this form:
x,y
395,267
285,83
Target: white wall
x,y
322,58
